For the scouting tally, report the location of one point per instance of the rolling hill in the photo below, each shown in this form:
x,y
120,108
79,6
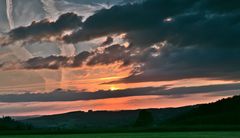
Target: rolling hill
x,y
102,119
221,114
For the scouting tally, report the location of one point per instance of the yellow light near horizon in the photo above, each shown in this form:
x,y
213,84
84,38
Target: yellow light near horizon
x,y
114,88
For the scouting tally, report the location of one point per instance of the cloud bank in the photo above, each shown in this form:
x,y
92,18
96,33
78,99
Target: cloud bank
x,y
62,95
170,39
43,30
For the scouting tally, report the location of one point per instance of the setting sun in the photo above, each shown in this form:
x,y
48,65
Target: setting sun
x,y
114,88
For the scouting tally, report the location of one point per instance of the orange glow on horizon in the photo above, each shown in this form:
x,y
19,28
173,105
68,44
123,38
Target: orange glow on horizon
x,y
111,104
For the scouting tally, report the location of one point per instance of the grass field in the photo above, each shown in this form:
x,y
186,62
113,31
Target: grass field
x,y
137,135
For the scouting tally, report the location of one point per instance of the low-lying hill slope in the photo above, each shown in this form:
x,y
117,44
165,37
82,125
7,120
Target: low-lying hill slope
x,y
223,112
102,119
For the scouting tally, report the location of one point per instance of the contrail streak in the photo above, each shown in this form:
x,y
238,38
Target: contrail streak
x,y
66,50
51,10
9,8
18,51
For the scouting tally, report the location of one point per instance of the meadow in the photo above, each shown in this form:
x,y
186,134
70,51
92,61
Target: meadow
x,y
137,135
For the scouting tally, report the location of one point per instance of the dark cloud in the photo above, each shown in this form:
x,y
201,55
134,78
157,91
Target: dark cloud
x,y
194,23
203,36
81,58
127,18
61,95
111,2
51,62
109,55
44,29
176,63
108,41
55,62
199,23
201,39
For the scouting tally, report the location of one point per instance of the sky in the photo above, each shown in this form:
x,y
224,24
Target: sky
x,y
59,56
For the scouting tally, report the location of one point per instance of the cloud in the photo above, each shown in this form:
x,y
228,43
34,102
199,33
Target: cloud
x,y
106,56
62,95
111,54
44,29
108,41
193,23
174,63
201,39
51,62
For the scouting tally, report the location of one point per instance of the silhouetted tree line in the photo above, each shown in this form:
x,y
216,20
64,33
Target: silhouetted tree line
x,y
7,123
222,112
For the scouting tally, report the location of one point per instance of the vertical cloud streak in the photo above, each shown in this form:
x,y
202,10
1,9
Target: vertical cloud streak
x,y
49,7
66,50
9,10
20,52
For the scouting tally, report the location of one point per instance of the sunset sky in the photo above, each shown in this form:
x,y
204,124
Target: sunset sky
x,y
58,56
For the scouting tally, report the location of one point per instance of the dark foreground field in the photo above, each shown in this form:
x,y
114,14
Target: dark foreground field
x,y
137,135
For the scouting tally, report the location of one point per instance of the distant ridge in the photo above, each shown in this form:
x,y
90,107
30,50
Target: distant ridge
x,y
102,119
221,114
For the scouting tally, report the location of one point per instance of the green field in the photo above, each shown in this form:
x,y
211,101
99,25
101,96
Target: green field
x,y
137,135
